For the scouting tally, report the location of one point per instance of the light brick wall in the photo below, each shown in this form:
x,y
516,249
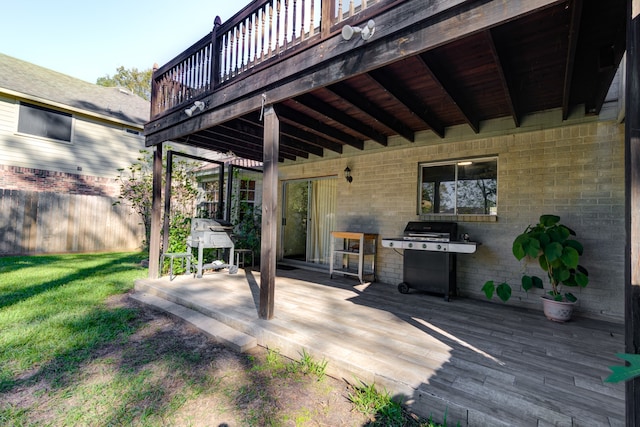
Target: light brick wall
x,y
574,171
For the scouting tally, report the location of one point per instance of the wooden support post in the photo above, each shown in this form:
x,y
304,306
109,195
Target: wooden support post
x,y
269,213
632,185
154,238
327,16
216,49
229,202
167,202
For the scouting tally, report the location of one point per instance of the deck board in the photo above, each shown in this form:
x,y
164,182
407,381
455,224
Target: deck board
x,y
477,362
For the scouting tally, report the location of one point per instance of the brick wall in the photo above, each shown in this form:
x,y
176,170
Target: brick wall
x,y
575,171
29,179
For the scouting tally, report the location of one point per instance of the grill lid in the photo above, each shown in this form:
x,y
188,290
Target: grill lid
x,y
430,230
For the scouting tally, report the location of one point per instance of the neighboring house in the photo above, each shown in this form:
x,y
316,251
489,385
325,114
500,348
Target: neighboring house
x,y
62,143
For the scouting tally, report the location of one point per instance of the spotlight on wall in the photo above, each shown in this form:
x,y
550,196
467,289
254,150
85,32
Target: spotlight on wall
x,y
347,175
198,105
366,32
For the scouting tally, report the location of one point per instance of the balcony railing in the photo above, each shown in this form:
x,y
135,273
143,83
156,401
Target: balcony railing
x,y
263,31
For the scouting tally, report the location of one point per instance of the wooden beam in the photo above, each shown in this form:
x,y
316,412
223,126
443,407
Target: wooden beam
x,y
574,30
408,99
156,211
632,213
308,137
269,232
381,116
316,126
342,59
506,80
346,120
166,223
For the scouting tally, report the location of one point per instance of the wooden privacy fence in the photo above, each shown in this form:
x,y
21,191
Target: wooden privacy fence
x,y
44,222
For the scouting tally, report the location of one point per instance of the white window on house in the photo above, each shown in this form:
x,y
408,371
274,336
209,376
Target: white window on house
x,y
209,207
461,187
247,197
44,122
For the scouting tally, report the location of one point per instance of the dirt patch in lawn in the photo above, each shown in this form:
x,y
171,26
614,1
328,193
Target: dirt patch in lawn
x,y
166,372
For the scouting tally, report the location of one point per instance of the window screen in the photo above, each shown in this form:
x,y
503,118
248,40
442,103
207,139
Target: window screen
x,y
44,122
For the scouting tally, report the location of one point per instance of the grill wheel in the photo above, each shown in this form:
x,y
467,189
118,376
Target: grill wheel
x,y
403,288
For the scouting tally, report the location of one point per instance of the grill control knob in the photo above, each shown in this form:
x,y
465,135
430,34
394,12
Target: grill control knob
x,y
439,247
410,245
424,246
390,244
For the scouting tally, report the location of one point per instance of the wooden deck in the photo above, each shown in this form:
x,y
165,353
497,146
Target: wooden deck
x,y
483,364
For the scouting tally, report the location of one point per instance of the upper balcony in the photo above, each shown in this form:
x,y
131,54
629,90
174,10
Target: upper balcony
x,y
428,65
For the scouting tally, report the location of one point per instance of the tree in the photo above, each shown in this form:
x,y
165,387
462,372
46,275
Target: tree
x,y
136,186
138,82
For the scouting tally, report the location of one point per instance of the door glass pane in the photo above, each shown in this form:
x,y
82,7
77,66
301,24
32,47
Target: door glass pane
x,y
295,220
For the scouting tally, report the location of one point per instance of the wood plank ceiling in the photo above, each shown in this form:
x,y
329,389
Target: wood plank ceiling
x,y
563,57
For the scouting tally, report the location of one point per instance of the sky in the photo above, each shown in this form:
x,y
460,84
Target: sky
x,y
89,39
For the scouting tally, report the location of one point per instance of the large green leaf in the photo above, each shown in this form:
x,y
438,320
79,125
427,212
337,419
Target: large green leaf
x,y
575,245
553,251
581,279
529,282
488,289
570,297
503,291
549,220
570,257
537,282
624,373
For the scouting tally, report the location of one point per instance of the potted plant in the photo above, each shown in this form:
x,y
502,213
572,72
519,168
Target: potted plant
x,y
558,253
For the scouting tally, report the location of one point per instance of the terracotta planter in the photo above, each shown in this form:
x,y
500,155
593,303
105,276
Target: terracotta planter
x,y
558,311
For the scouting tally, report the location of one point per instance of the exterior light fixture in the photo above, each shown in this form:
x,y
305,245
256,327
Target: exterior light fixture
x,y
467,163
198,105
366,32
347,175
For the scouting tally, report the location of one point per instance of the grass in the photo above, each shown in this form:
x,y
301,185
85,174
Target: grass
x,y
74,350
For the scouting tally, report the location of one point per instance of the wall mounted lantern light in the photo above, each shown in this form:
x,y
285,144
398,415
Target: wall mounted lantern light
x,y
197,106
365,32
347,175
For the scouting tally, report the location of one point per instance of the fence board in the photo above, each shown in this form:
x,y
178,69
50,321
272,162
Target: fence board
x,y
45,222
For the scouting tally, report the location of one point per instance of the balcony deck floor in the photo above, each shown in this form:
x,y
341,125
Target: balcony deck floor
x,y
482,364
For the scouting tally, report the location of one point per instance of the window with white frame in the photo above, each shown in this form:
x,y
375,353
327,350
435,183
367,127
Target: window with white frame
x,y
44,122
461,187
247,197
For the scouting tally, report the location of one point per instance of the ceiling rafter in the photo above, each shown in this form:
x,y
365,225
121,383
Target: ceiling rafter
x,y
253,131
316,126
327,110
297,133
408,99
309,137
221,146
574,32
504,80
366,106
448,87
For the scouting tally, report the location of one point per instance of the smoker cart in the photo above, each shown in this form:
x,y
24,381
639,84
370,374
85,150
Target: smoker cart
x,y
214,234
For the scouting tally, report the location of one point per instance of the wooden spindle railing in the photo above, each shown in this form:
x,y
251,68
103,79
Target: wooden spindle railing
x,y
262,31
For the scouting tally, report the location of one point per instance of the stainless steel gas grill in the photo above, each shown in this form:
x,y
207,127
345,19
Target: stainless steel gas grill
x,y
430,253
209,233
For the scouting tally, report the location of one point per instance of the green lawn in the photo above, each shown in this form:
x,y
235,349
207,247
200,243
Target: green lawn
x,y
74,350
53,312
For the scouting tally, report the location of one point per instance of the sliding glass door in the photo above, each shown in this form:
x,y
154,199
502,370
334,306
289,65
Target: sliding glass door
x,y
308,219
